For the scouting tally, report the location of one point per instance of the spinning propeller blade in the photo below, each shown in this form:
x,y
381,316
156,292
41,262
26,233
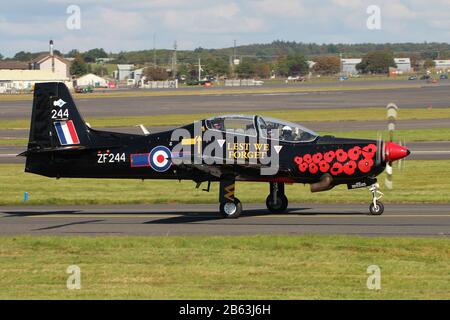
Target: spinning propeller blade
x,y
391,150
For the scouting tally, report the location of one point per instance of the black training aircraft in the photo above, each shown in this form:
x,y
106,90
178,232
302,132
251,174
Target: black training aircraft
x,y
222,149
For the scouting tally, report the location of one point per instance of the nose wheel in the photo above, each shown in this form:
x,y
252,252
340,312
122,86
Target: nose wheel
x,y
376,208
277,201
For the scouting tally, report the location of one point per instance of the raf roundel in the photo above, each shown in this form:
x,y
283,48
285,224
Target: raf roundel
x,y
160,159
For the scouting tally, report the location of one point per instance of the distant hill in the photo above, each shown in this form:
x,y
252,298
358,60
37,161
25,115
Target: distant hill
x,y
270,51
278,48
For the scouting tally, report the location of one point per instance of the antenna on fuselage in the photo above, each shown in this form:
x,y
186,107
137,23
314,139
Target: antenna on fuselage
x,y
144,129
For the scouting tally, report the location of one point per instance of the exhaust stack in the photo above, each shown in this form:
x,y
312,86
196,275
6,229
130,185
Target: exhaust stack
x,y
325,184
52,55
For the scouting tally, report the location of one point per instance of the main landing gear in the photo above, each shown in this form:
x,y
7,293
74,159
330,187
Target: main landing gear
x,y
277,201
376,208
231,207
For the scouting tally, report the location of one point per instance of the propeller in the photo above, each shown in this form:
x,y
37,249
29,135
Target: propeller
x,y
392,151
392,112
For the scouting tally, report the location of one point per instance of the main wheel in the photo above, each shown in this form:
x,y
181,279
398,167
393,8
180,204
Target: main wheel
x,y
231,210
376,210
279,206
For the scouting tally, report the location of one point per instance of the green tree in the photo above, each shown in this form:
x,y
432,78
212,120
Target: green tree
x,y
281,67
79,67
262,70
100,71
184,70
72,53
246,69
296,65
1,56
216,66
23,56
432,55
429,64
156,74
376,62
332,48
327,65
93,54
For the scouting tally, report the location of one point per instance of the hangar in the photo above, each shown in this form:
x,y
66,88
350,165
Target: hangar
x,y
93,80
349,65
442,64
17,81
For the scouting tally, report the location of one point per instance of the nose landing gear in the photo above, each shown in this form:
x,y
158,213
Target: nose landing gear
x,y
277,201
376,208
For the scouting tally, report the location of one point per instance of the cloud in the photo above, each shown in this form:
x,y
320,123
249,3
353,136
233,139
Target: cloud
x,y
220,19
348,3
29,29
397,10
129,25
284,8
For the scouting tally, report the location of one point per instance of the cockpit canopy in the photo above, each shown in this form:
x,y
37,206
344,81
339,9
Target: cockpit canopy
x,y
269,128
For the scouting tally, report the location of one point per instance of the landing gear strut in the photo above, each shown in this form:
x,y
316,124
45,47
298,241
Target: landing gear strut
x,y
376,208
277,201
230,206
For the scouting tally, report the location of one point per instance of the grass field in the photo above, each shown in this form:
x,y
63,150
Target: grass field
x,y
255,267
304,115
418,182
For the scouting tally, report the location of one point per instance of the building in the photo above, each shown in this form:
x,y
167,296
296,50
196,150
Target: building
x,y
138,75
124,72
12,81
403,65
51,62
13,65
93,80
349,65
442,64
103,60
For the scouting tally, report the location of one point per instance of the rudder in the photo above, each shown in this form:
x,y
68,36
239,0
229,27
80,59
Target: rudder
x,y
55,120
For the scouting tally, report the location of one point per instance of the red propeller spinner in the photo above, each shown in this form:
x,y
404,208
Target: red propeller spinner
x,y
393,152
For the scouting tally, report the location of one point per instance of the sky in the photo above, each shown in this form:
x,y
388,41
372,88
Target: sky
x,y
117,25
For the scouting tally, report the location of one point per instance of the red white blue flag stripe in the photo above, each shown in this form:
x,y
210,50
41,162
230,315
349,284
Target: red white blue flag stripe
x,y
66,132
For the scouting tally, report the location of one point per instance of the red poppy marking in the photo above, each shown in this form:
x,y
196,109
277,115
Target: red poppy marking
x,y
298,160
369,151
336,168
341,155
307,158
316,158
365,165
329,156
303,167
324,166
350,167
313,168
354,153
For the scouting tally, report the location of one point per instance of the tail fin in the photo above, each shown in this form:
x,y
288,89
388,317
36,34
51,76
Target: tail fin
x,y
55,120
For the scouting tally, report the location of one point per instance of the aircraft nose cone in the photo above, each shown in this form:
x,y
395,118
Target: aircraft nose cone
x,y
395,152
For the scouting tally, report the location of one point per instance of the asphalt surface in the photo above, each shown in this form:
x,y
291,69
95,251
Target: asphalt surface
x,y
423,97
398,220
